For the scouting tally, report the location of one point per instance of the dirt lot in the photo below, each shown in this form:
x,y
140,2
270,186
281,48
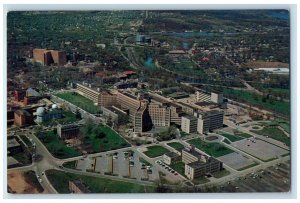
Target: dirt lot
x,y
263,64
17,184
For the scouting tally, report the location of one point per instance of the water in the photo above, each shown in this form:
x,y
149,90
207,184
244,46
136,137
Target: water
x,y
190,34
280,15
149,63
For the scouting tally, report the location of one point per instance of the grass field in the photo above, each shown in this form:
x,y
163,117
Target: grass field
x,y
274,133
213,149
231,137
80,101
26,140
111,141
155,151
70,164
60,181
68,117
241,134
176,145
278,106
179,167
220,174
30,177
56,146
226,141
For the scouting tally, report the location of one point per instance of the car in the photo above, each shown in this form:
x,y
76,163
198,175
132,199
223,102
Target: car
x,y
43,173
175,174
60,167
40,180
115,157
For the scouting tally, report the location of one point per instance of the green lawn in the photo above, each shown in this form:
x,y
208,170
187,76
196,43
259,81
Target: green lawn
x,y
179,167
31,178
155,151
200,180
56,146
274,133
68,117
110,141
80,101
26,140
70,164
231,137
241,134
226,141
213,149
60,181
176,145
220,174
278,106
23,157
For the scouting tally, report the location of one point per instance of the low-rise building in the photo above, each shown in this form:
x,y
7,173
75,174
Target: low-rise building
x,y
13,146
19,94
217,98
67,131
190,156
204,166
44,114
22,118
171,157
189,124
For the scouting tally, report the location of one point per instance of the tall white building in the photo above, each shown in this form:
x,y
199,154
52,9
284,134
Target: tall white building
x,y
189,124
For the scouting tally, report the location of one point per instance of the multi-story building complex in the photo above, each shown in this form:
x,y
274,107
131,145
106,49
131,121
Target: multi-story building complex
x,y
204,166
88,92
115,114
131,103
189,124
107,98
142,120
211,120
22,118
171,157
201,96
217,98
76,186
190,156
48,57
160,114
176,113
67,131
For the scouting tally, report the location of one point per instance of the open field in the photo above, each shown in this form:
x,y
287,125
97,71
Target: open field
x,y
278,106
23,183
108,141
155,151
70,164
56,146
179,167
231,137
176,145
275,133
60,181
213,149
80,101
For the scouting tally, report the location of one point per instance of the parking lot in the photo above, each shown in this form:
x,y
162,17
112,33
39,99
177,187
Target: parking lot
x,y
122,163
236,161
260,149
